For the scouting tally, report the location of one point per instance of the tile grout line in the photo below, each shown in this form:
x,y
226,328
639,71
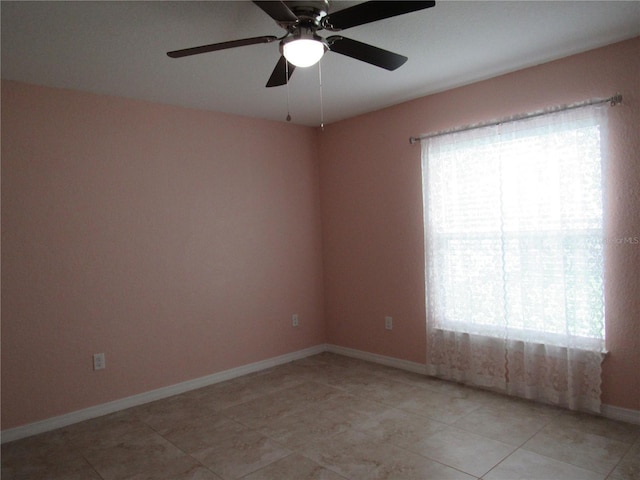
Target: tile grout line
x,y
176,446
89,463
631,445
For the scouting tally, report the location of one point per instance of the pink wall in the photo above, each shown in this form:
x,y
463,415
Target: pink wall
x,y
372,214
179,242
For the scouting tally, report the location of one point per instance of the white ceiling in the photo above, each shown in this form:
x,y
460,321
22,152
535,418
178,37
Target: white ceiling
x,y
119,48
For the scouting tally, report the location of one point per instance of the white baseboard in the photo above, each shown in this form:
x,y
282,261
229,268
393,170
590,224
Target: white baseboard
x,y
49,424
621,414
607,411
375,358
9,435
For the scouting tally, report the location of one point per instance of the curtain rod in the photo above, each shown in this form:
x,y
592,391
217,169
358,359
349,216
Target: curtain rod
x,y
614,100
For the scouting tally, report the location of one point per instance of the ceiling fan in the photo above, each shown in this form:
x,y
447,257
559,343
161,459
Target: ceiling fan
x,y
301,46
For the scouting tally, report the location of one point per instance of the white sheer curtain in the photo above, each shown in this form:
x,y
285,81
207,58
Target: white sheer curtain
x,y
514,256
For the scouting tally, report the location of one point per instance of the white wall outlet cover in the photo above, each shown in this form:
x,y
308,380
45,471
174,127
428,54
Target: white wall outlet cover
x,y
294,320
388,323
99,362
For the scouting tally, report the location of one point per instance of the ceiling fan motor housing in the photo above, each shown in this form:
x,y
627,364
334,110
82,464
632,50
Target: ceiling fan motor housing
x,y
309,13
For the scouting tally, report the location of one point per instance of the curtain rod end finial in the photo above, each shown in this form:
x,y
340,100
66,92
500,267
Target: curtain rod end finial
x,y
616,99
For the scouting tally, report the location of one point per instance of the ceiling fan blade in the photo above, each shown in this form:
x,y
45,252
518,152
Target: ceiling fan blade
x,y
221,46
366,53
368,12
279,74
278,11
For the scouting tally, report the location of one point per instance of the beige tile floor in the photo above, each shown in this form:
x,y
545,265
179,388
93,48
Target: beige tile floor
x,y
329,417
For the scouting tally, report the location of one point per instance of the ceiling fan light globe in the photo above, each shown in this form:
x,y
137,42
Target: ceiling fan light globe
x,y
303,52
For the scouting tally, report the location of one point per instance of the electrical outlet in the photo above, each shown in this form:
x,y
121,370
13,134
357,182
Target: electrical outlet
x,y
294,320
99,361
388,323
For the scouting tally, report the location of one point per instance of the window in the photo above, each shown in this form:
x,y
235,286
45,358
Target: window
x,y
514,229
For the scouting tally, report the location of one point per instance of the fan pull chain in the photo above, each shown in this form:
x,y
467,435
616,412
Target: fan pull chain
x,y
321,105
286,72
